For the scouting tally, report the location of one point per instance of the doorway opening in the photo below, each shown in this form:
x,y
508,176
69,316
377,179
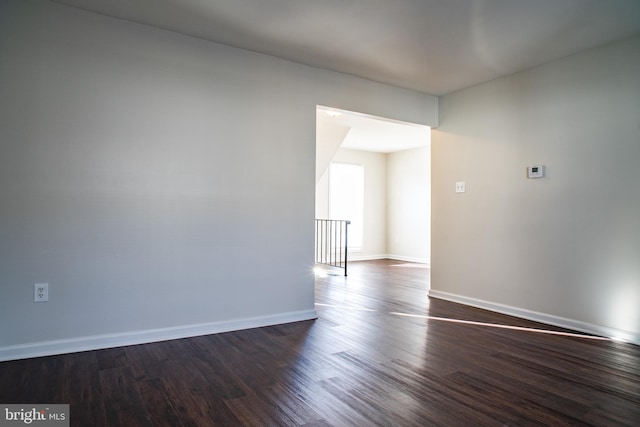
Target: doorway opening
x,y
394,161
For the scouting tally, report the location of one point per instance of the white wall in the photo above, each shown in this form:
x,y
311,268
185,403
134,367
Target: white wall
x,y
144,175
565,248
329,138
409,204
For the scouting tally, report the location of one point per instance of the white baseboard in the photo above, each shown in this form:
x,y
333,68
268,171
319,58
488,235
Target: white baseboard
x,y
408,259
357,257
97,342
603,331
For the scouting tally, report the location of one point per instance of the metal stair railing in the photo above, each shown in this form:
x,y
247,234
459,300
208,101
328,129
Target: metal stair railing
x,y
332,242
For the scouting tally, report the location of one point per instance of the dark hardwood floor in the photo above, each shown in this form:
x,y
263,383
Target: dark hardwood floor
x,y
381,353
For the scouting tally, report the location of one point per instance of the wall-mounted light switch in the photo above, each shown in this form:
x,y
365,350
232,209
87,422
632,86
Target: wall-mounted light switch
x,y
41,292
535,171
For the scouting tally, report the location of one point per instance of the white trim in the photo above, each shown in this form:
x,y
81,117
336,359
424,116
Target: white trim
x,y
353,257
408,259
97,342
576,325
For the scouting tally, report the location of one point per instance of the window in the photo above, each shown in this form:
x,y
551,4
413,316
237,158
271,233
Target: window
x,y
346,198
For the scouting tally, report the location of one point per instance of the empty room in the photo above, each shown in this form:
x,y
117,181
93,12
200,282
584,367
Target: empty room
x,y
159,188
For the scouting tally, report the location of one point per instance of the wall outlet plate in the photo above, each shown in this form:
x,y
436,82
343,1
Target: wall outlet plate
x,y
41,292
460,187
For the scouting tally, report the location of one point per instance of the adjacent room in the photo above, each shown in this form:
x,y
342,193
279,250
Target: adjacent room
x,y
160,178
376,173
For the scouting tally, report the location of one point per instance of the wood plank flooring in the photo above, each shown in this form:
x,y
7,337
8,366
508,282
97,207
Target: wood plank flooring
x,y
381,354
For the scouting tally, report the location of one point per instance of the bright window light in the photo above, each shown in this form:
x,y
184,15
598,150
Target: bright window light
x,y
346,198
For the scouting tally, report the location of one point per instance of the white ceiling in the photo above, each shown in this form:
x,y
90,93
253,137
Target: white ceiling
x,y
433,46
370,133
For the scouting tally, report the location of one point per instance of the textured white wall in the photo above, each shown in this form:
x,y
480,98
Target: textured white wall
x,y
144,175
567,245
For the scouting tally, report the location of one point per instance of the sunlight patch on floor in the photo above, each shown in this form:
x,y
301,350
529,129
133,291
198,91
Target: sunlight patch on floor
x,y
496,325
474,323
411,265
344,306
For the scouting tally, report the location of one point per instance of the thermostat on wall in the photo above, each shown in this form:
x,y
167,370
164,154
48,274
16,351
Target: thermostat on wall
x,y
535,171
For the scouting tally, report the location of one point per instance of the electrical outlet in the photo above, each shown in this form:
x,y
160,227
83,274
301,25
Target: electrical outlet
x,y
41,292
460,187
